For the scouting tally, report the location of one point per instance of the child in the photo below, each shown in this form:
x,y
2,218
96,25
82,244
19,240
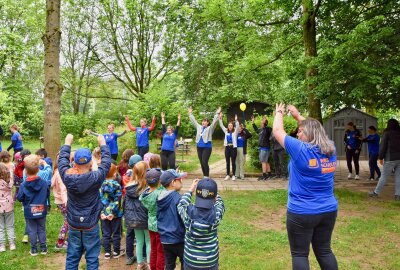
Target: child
x,y
149,200
142,134
5,158
6,209
60,198
373,150
125,179
33,194
84,205
155,161
111,214
169,223
19,172
136,217
201,221
96,158
123,165
42,153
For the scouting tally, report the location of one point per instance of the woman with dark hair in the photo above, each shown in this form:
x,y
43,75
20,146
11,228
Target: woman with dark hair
x,y
170,134
242,138
389,157
312,206
204,134
230,143
352,140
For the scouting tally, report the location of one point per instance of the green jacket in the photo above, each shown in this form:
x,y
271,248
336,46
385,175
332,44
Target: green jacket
x,y
149,200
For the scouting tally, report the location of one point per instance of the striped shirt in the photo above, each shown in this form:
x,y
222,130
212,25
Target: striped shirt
x,y
201,237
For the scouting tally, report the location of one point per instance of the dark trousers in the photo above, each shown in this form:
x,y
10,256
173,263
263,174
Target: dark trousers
x,y
167,159
204,154
373,165
352,155
130,240
37,229
143,150
279,162
114,156
111,229
230,156
315,229
171,252
187,267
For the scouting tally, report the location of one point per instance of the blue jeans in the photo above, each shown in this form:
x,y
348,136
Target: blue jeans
x,y
388,167
80,241
111,230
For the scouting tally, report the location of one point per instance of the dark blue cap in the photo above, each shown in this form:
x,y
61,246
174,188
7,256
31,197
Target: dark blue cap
x,y
82,156
169,175
153,176
206,191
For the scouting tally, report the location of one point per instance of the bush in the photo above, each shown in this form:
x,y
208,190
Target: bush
x,y
75,124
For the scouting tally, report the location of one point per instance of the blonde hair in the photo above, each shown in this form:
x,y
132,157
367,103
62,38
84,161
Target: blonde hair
x,y
155,161
139,175
31,163
97,153
4,173
14,126
316,136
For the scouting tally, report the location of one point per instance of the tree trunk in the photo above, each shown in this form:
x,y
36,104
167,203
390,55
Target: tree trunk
x,y
53,88
310,46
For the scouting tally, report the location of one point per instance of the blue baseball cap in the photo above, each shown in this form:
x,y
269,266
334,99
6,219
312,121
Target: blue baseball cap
x,y
169,175
153,176
206,191
133,160
82,156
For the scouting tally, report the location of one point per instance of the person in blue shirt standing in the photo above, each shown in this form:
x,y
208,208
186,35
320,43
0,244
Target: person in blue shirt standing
x,y
352,140
373,140
167,155
111,139
204,134
142,134
312,206
16,139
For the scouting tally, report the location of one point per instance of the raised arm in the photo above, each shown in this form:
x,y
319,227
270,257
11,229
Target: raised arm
x,y
185,202
192,118
278,129
92,133
129,124
178,124
122,133
295,113
237,125
215,119
220,209
64,157
164,129
153,123
221,124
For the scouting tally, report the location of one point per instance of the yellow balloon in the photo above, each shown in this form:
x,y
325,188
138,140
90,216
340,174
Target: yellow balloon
x,y
243,106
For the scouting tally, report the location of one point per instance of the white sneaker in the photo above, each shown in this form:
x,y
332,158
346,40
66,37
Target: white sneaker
x,y
12,246
233,178
227,177
357,177
349,176
2,248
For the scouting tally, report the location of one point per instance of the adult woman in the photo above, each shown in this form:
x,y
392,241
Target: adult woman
x,y
312,207
352,140
16,139
203,139
389,157
230,143
142,134
242,138
111,139
168,144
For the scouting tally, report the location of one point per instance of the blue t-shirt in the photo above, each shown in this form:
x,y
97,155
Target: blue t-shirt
x,y
351,139
142,136
240,141
373,143
18,138
201,142
229,138
311,181
168,142
111,141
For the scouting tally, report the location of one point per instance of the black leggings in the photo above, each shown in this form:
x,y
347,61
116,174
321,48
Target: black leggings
x,y
171,252
143,150
167,159
230,155
114,156
352,155
317,230
204,154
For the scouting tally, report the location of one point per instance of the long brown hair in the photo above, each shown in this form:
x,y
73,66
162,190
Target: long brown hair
x,y
155,161
4,173
139,175
5,157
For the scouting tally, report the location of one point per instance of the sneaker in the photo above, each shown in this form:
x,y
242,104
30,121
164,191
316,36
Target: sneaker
x,y
25,239
33,252
2,248
371,179
118,254
63,246
373,194
130,260
12,246
227,177
233,178
349,176
261,178
142,266
43,251
107,256
357,177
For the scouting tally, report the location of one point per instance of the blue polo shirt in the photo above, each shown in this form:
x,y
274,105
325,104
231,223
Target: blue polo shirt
x,y
311,179
201,142
373,143
351,139
142,136
168,143
240,141
18,138
111,141
229,138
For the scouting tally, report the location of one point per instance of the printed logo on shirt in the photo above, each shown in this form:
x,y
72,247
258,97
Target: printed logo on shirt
x,y
312,163
327,166
37,209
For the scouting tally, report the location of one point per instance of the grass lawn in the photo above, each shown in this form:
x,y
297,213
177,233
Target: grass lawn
x,y
253,235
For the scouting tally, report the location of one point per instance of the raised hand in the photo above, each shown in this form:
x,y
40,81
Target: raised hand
x,y
179,116
101,140
219,110
280,108
252,119
190,110
68,139
293,110
162,115
236,118
194,185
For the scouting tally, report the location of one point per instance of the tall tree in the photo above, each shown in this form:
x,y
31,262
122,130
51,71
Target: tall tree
x,y
53,87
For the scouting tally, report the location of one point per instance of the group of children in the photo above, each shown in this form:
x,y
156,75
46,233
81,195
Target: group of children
x,y
161,223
